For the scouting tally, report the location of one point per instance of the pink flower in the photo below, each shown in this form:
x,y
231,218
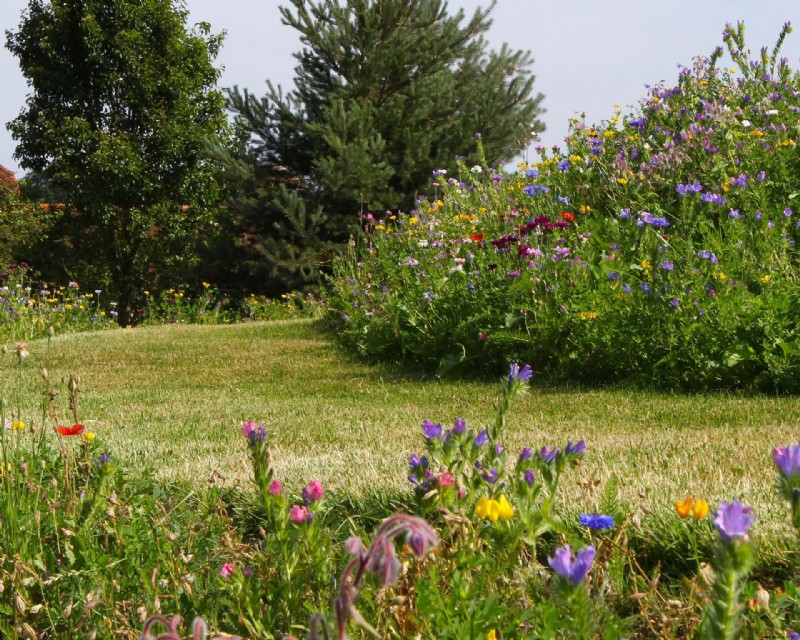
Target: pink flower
x,y
299,515
446,478
275,487
315,490
227,570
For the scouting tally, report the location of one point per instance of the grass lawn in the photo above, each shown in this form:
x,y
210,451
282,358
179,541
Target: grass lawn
x,y
169,400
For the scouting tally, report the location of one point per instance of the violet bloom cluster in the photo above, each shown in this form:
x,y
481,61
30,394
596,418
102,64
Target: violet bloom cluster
x,y
596,521
569,567
254,433
787,459
733,521
519,374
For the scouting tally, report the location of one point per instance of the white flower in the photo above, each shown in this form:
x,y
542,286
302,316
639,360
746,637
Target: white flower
x,y
771,112
423,243
746,123
477,169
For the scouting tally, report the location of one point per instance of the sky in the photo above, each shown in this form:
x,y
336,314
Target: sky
x,y
588,54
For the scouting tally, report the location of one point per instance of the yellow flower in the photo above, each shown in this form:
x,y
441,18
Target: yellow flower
x,y
588,315
700,510
379,227
89,435
766,279
494,510
584,208
684,507
646,265
206,285
757,134
506,511
622,181
492,635
413,220
147,293
19,425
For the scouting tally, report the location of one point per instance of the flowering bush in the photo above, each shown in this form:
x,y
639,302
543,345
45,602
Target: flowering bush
x,y
660,245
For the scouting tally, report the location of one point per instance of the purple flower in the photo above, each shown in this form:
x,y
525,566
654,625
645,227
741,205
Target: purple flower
x,y
535,189
490,476
613,275
513,274
413,461
482,438
571,569
529,477
521,375
563,165
459,425
498,449
227,570
667,265
526,454
577,449
431,430
787,459
596,521
548,455
733,520
645,287
793,635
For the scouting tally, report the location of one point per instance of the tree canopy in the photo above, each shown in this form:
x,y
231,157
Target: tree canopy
x,y
122,104
385,92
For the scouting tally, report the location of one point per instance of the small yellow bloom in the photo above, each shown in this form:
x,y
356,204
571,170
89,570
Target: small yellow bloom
x,y
700,510
413,220
684,507
89,435
757,134
622,181
19,425
379,227
588,315
147,293
585,208
492,635
206,285
506,511
766,279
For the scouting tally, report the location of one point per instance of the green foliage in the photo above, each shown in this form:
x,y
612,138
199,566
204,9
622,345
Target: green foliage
x,y
385,92
24,224
122,103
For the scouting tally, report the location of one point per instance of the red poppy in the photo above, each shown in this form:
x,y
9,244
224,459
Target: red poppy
x,y
74,430
566,215
477,237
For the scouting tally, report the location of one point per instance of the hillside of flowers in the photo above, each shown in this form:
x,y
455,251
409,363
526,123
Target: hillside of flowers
x,y
658,247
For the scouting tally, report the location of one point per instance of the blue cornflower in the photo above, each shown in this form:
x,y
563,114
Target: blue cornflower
x,y
563,165
596,521
533,173
535,189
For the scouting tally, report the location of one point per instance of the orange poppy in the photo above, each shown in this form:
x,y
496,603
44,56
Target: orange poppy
x,y
74,430
566,215
477,237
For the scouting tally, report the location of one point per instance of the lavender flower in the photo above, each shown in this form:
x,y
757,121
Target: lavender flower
x,y
520,375
529,477
596,521
459,425
548,455
577,449
482,438
733,520
573,570
787,459
431,430
526,454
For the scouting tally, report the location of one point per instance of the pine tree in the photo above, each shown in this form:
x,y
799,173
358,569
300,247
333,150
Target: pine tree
x,y
385,92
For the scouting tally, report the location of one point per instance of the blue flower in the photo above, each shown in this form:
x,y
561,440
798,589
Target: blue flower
x,y
521,375
573,570
535,189
563,165
596,521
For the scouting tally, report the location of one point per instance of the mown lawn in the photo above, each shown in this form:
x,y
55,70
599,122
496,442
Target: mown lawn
x,y
169,400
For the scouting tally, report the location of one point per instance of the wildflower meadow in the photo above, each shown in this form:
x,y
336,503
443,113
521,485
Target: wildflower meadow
x,y
257,480
658,247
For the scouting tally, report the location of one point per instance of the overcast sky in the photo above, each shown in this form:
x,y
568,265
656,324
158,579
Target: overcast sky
x,y
589,54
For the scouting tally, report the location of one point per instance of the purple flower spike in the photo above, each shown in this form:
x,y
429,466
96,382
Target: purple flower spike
x,y
459,425
431,430
577,449
521,375
548,455
529,477
482,438
733,521
413,461
526,454
596,521
787,459
573,570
